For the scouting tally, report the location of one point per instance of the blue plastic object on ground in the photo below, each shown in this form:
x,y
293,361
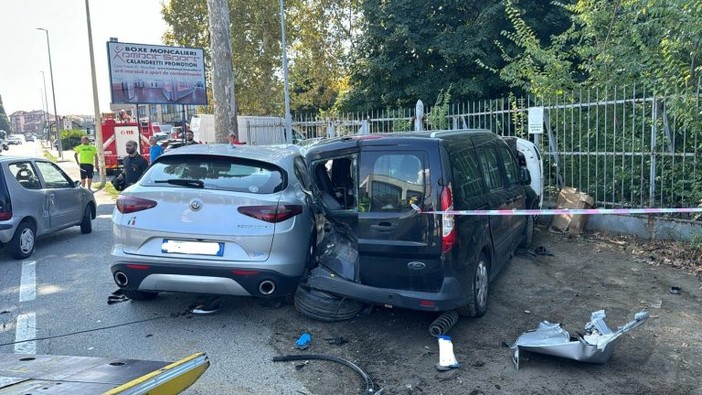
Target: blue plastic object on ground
x,y
304,341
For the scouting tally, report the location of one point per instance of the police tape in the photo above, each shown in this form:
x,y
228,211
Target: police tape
x,y
564,211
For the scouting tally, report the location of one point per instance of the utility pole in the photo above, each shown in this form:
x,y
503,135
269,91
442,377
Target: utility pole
x,y
222,69
47,125
59,144
288,118
96,104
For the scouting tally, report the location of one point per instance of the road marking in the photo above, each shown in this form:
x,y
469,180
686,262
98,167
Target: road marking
x,y
28,283
26,329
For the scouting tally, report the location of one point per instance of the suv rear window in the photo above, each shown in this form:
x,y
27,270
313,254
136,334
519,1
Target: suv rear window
x,y
218,172
391,181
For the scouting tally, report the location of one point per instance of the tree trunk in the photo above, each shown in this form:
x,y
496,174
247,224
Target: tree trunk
x,y
222,69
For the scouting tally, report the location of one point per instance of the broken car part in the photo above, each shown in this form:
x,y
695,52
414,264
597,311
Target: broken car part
x,y
444,323
595,346
447,359
370,387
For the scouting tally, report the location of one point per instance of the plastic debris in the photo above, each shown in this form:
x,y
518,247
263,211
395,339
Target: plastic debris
x,y
304,341
595,346
447,360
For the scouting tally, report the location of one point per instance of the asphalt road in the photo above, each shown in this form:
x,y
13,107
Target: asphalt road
x,y
57,300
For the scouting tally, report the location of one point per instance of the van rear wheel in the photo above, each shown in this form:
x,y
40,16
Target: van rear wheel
x,y
479,287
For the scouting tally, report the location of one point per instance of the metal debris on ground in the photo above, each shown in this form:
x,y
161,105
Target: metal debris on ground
x,y
595,346
443,323
117,297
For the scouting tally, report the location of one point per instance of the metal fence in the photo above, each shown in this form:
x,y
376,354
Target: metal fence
x,y
621,146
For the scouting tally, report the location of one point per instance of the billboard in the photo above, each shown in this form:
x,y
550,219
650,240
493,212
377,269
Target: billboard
x,y
156,74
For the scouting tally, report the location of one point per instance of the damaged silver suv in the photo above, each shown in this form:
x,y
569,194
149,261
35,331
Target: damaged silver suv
x,y
389,242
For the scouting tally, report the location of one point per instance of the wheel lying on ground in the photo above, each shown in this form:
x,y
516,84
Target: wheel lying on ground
x,y
322,306
479,286
23,242
86,225
139,295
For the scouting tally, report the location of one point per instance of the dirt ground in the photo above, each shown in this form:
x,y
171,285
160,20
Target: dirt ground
x,y
595,271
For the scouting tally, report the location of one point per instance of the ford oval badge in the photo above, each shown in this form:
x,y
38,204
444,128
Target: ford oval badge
x,y
415,265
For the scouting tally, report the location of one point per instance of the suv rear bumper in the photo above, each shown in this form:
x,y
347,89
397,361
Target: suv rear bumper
x,y
150,277
450,296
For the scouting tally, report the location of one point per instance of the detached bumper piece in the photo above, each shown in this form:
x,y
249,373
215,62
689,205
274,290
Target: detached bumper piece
x,y
596,346
53,374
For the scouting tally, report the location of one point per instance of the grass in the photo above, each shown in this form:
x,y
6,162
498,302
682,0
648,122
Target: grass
x,y
110,190
48,155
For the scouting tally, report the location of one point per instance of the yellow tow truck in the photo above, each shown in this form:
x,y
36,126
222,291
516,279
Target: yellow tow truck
x,y
54,374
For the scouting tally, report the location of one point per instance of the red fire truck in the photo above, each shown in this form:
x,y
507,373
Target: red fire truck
x,y
115,135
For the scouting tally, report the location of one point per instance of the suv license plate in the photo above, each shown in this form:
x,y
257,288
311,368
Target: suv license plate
x,y
192,247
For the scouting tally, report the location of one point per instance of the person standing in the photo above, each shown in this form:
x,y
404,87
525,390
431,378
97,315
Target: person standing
x,y
155,150
87,159
190,138
133,165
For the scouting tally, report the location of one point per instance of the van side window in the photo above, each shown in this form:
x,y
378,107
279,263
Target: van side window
x,y
335,179
466,177
491,168
391,182
510,167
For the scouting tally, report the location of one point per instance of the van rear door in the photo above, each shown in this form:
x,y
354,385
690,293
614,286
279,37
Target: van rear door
x,y
397,249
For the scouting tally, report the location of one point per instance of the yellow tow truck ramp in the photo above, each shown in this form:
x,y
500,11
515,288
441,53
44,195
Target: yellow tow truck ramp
x,y
23,374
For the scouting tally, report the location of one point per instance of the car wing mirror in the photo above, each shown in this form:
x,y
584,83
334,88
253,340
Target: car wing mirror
x,y
76,183
525,176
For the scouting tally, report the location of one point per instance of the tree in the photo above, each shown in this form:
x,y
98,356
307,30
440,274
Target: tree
x,y
222,73
655,44
324,34
4,121
255,37
412,49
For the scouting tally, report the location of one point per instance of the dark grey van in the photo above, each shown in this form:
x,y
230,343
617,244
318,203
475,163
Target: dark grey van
x,y
380,250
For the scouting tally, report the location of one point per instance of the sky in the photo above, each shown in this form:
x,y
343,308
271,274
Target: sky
x,y
25,54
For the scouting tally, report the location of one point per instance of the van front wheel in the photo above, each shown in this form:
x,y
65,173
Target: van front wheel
x,y
479,287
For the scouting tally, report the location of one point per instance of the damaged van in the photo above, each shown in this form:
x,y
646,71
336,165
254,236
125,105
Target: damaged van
x,y
388,239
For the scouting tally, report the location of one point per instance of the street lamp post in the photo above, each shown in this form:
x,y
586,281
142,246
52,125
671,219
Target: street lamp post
x,y
46,111
53,94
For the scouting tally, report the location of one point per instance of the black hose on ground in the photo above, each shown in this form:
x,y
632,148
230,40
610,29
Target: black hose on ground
x,y
366,377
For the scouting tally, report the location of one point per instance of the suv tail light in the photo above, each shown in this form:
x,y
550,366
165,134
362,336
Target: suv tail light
x,y
131,204
448,231
272,214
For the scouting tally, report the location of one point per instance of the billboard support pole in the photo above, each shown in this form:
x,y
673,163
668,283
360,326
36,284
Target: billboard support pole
x,y
184,123
138,122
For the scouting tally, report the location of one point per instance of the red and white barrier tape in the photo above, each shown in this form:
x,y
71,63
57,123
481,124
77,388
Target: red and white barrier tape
x,y
567,211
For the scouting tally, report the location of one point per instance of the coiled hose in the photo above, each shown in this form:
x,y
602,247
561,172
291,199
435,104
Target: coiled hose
x,y
366,377
444,323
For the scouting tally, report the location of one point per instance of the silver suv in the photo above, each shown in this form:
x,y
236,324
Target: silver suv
x,y
37,198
